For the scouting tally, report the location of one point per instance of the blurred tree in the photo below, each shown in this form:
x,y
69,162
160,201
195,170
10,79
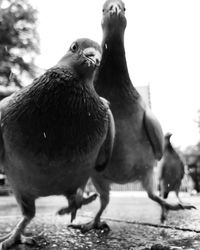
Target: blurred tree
x,y
18,42
198,123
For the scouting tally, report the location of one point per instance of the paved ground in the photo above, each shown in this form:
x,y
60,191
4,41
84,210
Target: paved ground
x,y
133,218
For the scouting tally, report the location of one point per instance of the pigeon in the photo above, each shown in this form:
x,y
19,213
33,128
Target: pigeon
x,y
54,132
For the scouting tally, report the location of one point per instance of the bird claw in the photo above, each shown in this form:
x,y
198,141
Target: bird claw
x,y
73,215
179,206
92,225
64,210
10,240
28,240
187,206
103,226
89,199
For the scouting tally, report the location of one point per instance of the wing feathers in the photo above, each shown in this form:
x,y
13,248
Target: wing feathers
x,y
154,133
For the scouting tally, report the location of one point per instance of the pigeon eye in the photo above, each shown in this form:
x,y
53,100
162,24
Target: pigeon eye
x,y
103,10
124,9
74,47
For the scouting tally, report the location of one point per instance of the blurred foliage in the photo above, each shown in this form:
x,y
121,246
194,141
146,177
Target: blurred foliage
x,y
198,124
192,154
18,42
194,150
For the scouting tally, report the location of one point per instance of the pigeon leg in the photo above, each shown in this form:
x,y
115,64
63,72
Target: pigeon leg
x,y
16,236
177,195
103,189
72,206
149,186
85,201
90,199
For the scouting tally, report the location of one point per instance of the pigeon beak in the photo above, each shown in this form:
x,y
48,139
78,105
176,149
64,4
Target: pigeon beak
x,y
93,56
114,8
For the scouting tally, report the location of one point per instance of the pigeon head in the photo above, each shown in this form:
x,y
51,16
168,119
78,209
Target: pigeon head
x,y
83,56
114,16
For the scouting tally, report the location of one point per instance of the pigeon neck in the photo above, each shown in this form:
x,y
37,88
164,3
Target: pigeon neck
x,y
114,51
112,80
169,147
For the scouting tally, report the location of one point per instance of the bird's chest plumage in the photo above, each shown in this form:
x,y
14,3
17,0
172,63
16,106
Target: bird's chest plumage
x,y
55,121
113,83
52,135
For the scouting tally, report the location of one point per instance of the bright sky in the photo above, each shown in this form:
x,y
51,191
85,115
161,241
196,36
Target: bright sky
x,y
162,42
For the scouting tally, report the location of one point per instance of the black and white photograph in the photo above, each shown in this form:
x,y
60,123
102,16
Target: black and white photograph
x,y
100,125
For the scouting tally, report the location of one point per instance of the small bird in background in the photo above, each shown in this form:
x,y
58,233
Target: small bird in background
x,y
170,170
53,133
139,140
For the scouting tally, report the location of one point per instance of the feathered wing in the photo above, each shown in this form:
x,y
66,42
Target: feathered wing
x,y
180,163
106,149
161,168
154,133
3,104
